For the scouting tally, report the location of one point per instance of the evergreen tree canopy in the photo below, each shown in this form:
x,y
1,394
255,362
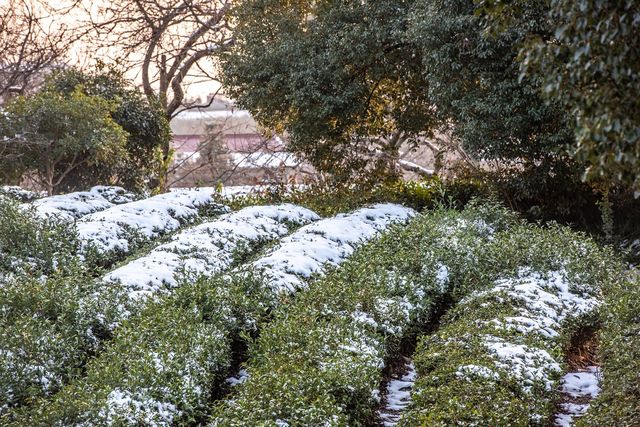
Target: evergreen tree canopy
x,y
54,136
144,122
346,78
589,61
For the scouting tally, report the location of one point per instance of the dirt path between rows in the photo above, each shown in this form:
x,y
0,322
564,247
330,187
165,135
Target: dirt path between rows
x,y
581,384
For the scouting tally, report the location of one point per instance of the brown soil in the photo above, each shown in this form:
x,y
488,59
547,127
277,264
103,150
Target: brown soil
x,y
582,350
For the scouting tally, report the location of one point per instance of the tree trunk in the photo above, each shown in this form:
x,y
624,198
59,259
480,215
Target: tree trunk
x,y
49,179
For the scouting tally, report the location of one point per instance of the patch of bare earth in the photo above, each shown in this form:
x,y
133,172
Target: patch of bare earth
x,y
581,384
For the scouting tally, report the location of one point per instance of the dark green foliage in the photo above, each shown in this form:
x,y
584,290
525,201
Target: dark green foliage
x,y
593,67
619,402
144,121
338,76
589,61
539,197
33,245
473,80
345,78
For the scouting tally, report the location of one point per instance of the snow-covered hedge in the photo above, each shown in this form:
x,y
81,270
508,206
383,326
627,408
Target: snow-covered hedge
x,y
72,206
289,265
119,229
48,328
19,194
69,338
498,356
320,362
207,248
166,382
619,340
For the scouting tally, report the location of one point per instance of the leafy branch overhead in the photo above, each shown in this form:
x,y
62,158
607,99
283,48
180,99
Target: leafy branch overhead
x,y
589,62
352,82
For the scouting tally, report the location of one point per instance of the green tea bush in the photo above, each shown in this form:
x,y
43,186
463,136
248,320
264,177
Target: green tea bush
x,y
320,361
619,401
162,364
331,198
48,327
498,356
18,194
227,240
33,245
166,388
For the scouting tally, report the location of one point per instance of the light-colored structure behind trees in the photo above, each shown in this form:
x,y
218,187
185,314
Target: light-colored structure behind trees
x,y
220,143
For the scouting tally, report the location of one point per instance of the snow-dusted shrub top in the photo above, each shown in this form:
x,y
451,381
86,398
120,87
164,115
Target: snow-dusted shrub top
x,y
542,303
329,241
114,194
71,206
18,193
321,361
110,230
207,248
520,346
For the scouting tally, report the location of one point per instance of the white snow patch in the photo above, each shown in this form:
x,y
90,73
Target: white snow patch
x,y
137,408
581,386
242,376
397,396
328,241
110,230
207,248
442,277
471,371
71,206
528,365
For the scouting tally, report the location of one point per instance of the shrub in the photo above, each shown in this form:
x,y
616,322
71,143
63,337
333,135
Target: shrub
x,y
619,341
162,381
48,327
498,355
331,198
33,245
144,122
319,362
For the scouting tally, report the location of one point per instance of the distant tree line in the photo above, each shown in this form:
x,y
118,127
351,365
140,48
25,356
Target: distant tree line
x,y
546,88
82,129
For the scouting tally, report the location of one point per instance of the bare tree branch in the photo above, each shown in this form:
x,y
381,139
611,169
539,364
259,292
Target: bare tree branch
x,y
33,40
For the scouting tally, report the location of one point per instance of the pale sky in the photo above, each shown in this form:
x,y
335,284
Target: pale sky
x,y
84,56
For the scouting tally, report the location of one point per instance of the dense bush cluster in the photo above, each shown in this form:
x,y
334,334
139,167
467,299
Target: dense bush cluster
x,y
312,315
619,340
48,328
163,363
73,315
507,340
319,362
31,244
329,198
